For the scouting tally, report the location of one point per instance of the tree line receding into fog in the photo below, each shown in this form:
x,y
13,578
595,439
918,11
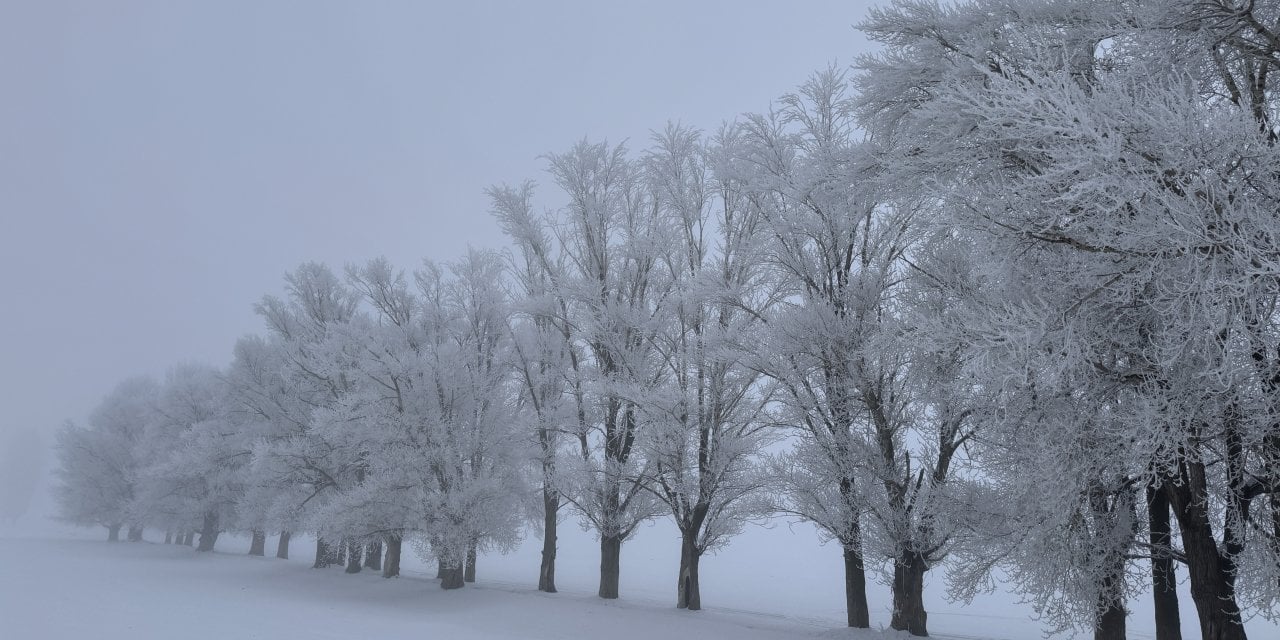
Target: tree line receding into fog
x,y
1003,299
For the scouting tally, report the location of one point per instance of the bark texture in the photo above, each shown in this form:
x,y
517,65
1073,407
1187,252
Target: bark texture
x,y
324,556
610,567
688,594
208,532
373,556
258,545
855,589
908,594
1212,584
1164,581
547,572
391,566
469,572
452,578
355,554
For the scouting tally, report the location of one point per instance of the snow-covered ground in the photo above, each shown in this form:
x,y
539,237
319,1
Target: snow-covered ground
x,y
771,583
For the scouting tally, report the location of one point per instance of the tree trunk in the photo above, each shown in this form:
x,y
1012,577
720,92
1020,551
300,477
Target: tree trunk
x,y
1110,625
324,556
168,537
610,566
469,571
282,547
547,572
1164,582
258,546
688,593
908,594
440,570
373,556
855,588
1211,585
190,539
452,577
391,567
135,534
335,553
113,532
208,532
354,556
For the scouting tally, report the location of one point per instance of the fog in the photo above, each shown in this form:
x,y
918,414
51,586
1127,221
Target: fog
x,y
166,163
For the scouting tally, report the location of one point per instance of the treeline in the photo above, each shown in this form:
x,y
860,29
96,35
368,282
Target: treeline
x,y
1004,297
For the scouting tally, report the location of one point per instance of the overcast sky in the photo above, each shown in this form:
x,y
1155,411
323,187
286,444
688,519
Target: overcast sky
x,y
162,164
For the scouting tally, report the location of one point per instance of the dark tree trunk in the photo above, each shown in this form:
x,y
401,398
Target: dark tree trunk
x,y
135,534
189,539
168,537
1275,527
469,571
282,547
610,566
547,573
688,593
391,567
113,532
354,556
324,556
1110,625
1212,589
855,588
440,570
373,556
1164,582
258,546
550,513
208,532
908,594
452,577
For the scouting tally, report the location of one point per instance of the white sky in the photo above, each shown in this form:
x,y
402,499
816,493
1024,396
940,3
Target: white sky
x,y
162,164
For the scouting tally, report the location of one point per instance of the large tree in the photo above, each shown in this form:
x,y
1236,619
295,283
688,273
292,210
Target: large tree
x,y
1115,157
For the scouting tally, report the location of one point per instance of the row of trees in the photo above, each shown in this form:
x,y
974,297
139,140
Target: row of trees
x,y
1007,298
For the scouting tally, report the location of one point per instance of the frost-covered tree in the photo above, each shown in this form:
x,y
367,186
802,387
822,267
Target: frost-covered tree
x,y
194,455
602,265
261,393
805,177
1112,157
302,470
705,418
428,410
98,465
542,356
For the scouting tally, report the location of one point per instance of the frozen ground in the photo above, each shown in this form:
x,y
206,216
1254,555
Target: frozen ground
x,y
772,583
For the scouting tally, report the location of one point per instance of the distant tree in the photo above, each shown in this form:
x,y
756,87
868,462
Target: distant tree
x,y
194,456
98,465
